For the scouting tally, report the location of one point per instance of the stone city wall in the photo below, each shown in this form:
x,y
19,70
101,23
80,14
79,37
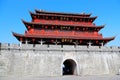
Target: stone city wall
x,y
47,60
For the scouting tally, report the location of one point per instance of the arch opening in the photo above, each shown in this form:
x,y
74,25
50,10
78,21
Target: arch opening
x,y
69,67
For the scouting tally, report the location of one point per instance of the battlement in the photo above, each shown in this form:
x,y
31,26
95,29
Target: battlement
x,y
37,47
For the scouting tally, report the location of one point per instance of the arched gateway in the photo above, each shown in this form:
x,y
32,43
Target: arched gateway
x,y
69,67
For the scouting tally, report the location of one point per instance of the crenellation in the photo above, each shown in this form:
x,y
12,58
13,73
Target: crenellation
x,y
27,46
14,45
38,47
93,47
68,48
55,47
4,45
105,48
82,47
114,47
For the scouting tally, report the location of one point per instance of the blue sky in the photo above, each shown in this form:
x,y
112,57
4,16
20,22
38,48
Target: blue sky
x,y
12,11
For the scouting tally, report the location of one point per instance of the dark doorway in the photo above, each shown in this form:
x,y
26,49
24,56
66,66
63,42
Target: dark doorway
x,y
69,67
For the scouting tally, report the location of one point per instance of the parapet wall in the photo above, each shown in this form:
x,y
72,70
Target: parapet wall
x,y
7,46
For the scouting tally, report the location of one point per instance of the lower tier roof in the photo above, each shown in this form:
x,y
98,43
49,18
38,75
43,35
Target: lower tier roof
x,y
36,37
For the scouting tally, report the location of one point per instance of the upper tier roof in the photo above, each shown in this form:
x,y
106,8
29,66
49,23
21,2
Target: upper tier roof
x,y
62,13
82,17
